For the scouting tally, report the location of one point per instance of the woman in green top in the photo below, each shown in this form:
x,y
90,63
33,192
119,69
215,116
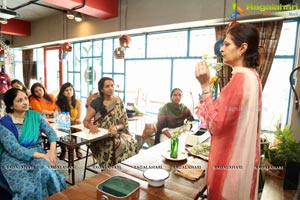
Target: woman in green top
x,y
171,115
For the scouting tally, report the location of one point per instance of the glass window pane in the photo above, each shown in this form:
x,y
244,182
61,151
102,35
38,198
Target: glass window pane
x,y
53,71
77,56
107,55
136,48
39,58
17,54
184,78
172,44
287,46
119,65
202,42
145,86
275,101
119,85
86,49
97,71
97,45
77,80
18,69
70,60
71,80
18,64
87,70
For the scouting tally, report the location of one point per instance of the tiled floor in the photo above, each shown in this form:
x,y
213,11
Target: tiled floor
x,y
79,167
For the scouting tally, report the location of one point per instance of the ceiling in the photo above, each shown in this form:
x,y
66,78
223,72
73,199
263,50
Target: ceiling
x,y
30,10
16,15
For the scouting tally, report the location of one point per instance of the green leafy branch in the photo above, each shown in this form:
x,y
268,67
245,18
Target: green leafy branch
x,y
182,129
288,148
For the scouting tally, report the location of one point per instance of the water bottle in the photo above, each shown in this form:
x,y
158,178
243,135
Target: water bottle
x,y
62,121
67,122
55,117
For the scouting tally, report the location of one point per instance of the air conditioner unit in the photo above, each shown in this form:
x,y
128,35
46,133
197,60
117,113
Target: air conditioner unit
x,y
7,14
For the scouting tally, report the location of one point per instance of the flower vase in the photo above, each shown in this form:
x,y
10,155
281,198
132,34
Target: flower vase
x,y
174,147
215,92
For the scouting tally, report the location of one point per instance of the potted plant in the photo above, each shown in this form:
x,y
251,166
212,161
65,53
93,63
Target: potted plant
x,y
286,153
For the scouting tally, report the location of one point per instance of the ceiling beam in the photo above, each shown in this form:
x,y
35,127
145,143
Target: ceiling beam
x,y
104,9
16,27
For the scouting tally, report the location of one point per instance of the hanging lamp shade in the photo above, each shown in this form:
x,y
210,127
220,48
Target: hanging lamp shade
x,y
67,46
218,46
125,41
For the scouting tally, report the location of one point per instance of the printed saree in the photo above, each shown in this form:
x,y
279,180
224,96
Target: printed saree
x,y
110,151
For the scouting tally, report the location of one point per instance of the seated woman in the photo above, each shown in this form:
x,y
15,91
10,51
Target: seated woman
x,y
26,167
41,101
171,116
66,102
109,112
18,84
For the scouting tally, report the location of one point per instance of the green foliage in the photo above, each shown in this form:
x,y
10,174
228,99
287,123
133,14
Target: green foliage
x,y
288,148
182,129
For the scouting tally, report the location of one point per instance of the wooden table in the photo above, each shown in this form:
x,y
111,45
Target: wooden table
x,y
175,187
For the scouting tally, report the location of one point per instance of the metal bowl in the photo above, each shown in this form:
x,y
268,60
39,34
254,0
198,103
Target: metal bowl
x,y
130,113
156,177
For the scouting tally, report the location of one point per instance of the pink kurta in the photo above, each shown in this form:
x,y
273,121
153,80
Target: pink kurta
x,y
234,123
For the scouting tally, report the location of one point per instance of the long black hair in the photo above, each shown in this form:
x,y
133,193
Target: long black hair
x,y
46,95
102,110
62,100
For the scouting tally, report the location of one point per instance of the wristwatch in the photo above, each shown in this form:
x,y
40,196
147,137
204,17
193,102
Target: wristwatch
x,y
206,91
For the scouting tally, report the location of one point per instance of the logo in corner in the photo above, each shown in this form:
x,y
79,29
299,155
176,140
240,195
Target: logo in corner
x,y
236,10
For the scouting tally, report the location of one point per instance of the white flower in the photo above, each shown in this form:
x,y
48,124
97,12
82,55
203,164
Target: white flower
x,y
182,129
214,65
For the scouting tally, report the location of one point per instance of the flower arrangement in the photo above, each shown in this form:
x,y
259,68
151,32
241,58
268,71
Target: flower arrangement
x,y
216,66
182,129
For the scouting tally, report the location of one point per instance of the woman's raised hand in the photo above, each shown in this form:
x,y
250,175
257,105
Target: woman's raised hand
x,y
202,74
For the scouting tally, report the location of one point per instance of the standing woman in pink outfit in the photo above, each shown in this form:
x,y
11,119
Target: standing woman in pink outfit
x,y
233,120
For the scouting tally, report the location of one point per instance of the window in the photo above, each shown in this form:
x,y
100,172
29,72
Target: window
x,y
276,92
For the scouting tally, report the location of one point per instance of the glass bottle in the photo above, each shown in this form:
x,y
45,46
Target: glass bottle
x,y
174,147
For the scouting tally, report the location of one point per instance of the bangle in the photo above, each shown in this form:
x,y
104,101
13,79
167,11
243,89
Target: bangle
x,y
206,91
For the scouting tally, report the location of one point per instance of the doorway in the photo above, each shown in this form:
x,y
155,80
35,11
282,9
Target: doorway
x,y
53,69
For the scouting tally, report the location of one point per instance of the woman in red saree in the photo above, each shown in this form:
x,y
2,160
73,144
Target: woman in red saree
x,y
233,120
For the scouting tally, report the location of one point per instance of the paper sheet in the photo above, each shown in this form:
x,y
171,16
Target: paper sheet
x,y
60,133
89,136
79,126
